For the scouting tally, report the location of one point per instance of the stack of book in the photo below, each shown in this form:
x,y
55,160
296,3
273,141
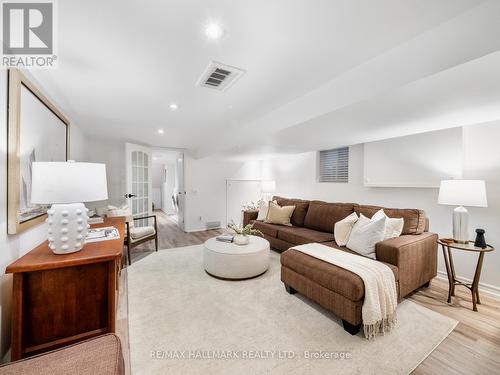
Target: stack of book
x,y
102,234
95,219
225,238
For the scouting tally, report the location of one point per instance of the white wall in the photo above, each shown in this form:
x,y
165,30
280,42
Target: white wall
x,y
113,155
205,181
295,176
14,246
400,162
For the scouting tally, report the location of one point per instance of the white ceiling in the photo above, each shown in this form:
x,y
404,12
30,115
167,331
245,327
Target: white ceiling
x,y
163,156
345,71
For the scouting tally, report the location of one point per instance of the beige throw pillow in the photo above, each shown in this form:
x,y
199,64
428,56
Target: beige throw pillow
x,y
343,228
278,214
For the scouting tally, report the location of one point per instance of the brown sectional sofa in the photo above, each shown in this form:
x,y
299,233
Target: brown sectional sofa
x,y
412,256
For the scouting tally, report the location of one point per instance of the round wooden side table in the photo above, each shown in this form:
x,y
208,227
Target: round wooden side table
x,y
450,269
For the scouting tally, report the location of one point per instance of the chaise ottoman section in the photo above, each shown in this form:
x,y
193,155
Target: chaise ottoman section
x,y
329,276
349,311
335,288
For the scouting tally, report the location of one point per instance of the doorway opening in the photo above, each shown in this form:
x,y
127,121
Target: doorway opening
x,y
167,172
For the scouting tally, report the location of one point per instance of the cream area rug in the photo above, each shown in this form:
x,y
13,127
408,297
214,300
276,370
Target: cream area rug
x,y
183,321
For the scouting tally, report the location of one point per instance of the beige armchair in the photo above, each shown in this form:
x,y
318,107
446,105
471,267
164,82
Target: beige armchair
x,y
138,235
135,235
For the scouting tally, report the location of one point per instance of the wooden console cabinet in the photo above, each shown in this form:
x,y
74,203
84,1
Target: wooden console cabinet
x,y
62,299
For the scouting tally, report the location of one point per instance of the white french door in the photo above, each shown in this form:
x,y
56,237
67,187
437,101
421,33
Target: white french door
x,y
138,175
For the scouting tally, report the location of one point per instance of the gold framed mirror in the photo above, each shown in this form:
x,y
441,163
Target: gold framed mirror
x,y
37,131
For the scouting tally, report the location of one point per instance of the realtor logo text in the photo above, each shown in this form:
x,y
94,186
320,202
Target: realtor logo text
x,y
28,35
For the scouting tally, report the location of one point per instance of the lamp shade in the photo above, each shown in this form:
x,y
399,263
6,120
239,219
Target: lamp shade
x,y
268,186
68,182
463,193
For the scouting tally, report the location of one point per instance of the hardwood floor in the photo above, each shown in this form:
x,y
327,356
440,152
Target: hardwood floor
x,y
472,348
170,236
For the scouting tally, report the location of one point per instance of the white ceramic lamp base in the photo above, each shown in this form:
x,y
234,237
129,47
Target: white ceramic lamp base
x,y
460,225
67,227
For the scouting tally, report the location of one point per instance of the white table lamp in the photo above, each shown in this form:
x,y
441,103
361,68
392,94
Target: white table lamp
x,y
65,185
462,193
268,188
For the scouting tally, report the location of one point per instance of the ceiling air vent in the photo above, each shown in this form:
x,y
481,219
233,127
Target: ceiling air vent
x,y
219,76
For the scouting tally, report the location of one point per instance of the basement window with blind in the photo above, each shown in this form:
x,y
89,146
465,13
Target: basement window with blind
x,y
334,165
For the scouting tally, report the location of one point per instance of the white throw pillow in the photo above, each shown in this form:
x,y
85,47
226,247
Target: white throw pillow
x,y
263,210
343,228
393,227
365,235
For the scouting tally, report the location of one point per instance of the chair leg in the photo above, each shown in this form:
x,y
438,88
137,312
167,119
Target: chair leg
x,y
156,243
128,255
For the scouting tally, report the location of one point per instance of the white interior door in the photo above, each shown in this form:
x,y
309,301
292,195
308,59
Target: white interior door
x,y
139,181
239,192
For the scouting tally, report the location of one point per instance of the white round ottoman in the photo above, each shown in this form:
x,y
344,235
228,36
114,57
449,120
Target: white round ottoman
x,y
234,262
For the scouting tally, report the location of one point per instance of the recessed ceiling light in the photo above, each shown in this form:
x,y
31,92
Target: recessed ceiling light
x,y
173,106
214,31
160,131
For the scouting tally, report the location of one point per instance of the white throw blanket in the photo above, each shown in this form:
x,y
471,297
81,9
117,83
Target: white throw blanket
x,y
379,305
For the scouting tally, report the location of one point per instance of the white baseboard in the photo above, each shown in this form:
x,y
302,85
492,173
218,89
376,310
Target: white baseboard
x,y
200,229
491,290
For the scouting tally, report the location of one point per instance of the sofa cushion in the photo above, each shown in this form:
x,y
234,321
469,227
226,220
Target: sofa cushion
x,y
277,244
329,276
266,228
300,236
299,214
137,233
322,216
414,219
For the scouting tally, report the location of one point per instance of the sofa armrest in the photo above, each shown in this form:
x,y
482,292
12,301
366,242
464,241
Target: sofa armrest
x,y
249,216
414,255
395,249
